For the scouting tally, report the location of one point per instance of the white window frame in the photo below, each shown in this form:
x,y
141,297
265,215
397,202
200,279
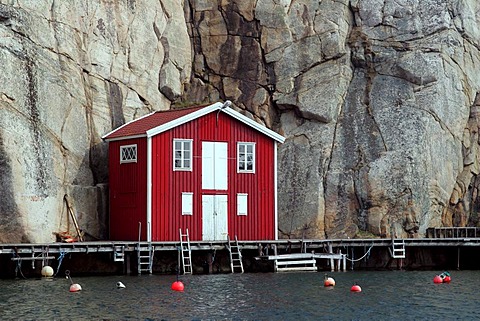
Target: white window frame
x,y
187,203
239,160
182,155
131,157
242,204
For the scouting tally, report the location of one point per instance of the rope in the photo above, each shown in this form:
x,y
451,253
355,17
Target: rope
x,y
60,259
213,256
45,260
366,253
67,275
18,266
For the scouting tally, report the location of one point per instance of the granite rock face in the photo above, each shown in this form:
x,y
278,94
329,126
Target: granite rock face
x,y
72,71
378,100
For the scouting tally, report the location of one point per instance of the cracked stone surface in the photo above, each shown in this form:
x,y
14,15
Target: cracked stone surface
x,y
378,100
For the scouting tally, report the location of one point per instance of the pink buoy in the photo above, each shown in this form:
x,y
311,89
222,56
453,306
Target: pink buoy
x,y
178,286
356,288
75,287
437,279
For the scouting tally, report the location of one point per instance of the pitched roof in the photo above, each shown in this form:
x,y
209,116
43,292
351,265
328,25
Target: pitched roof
x,y
140,126
160,121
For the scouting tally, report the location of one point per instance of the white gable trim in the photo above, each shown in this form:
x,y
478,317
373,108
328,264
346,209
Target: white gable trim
x,y
254,124
217,106
184,119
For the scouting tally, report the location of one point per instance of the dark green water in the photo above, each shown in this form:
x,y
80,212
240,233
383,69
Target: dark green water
x,y
394,295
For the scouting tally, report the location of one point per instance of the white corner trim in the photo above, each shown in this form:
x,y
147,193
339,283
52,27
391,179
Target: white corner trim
x,y
275,186
149,189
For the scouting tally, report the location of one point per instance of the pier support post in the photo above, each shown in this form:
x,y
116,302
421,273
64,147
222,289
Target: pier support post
x,y
330,250
353,258
458,258
127,267
338,261
210,262
344,258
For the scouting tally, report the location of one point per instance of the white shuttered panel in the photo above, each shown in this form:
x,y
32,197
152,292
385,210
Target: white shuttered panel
x,y
214,165
242,202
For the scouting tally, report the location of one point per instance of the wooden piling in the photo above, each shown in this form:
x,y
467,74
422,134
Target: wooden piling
x,y
330,250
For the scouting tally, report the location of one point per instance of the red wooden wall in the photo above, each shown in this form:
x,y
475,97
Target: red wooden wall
x,y
168,185
128,191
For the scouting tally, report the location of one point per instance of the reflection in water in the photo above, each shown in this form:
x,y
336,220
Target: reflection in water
x,y
397,295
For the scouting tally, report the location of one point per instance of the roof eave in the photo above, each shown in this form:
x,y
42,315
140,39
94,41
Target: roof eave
x,y
105,137
124,137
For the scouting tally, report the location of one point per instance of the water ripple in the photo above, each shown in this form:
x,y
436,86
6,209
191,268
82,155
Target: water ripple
x,y
397,295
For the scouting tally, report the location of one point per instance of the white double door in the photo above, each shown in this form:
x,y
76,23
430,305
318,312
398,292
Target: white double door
x,y
215,218
214,178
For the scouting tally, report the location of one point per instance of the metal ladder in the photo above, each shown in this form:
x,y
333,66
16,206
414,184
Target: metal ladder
x,y
397,251
186,252
119,253
235,256
144,254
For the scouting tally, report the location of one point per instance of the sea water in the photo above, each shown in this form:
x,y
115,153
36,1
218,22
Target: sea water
x,y
386,295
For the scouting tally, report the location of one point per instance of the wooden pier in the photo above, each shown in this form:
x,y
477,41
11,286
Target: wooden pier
x,y
318,250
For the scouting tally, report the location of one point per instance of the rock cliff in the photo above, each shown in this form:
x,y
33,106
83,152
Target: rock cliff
x,y
378,100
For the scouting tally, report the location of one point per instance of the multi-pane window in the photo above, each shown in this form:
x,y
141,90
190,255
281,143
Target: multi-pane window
x,y
246,157
128,154
182,154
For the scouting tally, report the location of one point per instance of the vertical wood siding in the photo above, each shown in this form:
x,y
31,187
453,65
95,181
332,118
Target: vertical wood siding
x,y
168,185
127,190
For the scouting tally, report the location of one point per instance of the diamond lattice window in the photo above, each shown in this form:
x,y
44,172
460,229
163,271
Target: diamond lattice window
x,y
128,154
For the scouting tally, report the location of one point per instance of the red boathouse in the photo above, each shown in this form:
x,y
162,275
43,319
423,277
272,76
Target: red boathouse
x,y
208,169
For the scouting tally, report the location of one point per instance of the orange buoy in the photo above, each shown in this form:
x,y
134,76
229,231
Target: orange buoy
x,y
447,279
329,281
356,288
178,286
75,287
437,279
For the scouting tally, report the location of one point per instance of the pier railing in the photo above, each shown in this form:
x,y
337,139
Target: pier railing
x,y
453,232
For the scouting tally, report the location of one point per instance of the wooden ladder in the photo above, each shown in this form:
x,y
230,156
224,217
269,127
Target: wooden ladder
x,y
235,256
144,254
397,251
186,252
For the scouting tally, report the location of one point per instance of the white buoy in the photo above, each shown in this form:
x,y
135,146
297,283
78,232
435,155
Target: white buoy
x,y
329,281
47,271
75,287
120,285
